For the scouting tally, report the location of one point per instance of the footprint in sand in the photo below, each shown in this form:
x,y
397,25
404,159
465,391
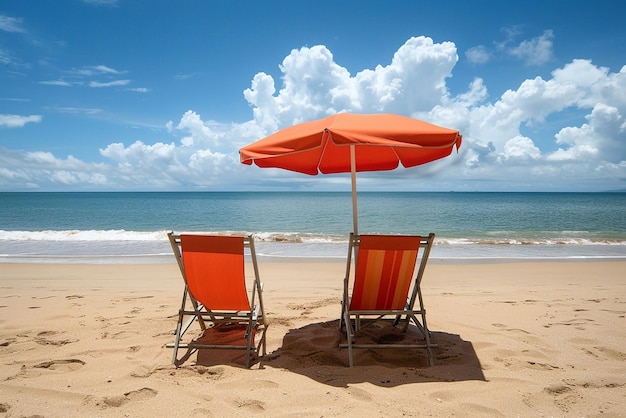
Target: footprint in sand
x,y
565,397
313,305
65,365
144,371
121,335
577,323
612,354
135,395
7,342
43,339
541,366
605,352
251,404
518,364
56,366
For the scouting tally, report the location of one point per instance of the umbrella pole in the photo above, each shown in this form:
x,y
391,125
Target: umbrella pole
x,y
355,220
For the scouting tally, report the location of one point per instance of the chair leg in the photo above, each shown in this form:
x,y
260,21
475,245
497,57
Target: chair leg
x,y
341,317
350,337
427,338
431,360
261,348
178,336
179,326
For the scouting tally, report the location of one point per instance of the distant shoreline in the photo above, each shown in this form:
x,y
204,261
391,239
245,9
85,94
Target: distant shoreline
x,y
169,259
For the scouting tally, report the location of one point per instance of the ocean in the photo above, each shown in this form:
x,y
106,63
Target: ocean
x,y
129,227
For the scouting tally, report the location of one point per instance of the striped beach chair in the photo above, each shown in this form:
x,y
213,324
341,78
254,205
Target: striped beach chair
x,y
386,285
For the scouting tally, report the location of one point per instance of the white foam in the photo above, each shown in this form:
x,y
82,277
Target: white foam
x,y
83,235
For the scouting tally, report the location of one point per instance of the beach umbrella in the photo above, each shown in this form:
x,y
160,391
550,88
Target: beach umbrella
x,y
351,143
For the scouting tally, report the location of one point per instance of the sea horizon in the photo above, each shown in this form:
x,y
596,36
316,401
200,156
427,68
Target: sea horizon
x,y
123,227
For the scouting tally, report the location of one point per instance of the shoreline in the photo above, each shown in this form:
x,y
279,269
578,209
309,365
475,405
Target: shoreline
x,y
169,259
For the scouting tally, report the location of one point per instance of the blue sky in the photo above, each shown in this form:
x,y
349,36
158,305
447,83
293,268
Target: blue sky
x,y
160,95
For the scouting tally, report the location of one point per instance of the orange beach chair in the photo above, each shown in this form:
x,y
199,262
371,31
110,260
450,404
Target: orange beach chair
x,y
213,269
386,284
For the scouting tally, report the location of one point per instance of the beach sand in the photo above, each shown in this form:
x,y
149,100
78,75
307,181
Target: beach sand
x,y
515,339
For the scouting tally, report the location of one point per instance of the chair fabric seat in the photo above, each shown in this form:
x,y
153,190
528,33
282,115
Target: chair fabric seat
x,y
385,268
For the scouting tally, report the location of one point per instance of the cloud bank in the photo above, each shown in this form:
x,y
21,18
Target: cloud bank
x,y
499,152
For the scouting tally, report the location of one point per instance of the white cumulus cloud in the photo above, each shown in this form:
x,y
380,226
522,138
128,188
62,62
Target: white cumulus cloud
x,y
499,146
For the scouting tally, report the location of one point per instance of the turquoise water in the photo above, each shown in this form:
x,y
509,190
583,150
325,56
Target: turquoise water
x,y
51,226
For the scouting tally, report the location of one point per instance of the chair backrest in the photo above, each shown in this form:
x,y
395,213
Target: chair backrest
x,y
384,271
215,271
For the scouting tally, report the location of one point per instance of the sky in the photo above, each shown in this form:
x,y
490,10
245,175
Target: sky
x,y
126,95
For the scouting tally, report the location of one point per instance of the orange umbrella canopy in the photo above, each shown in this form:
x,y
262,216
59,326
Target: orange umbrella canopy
x,y
381,142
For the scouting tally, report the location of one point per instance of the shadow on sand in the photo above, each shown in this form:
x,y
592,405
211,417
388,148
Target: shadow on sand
x,y
313,351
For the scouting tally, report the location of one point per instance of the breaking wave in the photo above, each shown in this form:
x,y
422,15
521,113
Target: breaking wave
x,y
566,238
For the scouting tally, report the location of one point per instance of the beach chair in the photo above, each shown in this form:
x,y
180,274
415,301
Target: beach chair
x,y
213,269
385,285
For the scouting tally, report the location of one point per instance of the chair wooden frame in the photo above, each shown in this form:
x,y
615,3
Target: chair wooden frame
x,y
213,270
388,288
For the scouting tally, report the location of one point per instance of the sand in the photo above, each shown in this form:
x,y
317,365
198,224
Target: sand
x,y
515,339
